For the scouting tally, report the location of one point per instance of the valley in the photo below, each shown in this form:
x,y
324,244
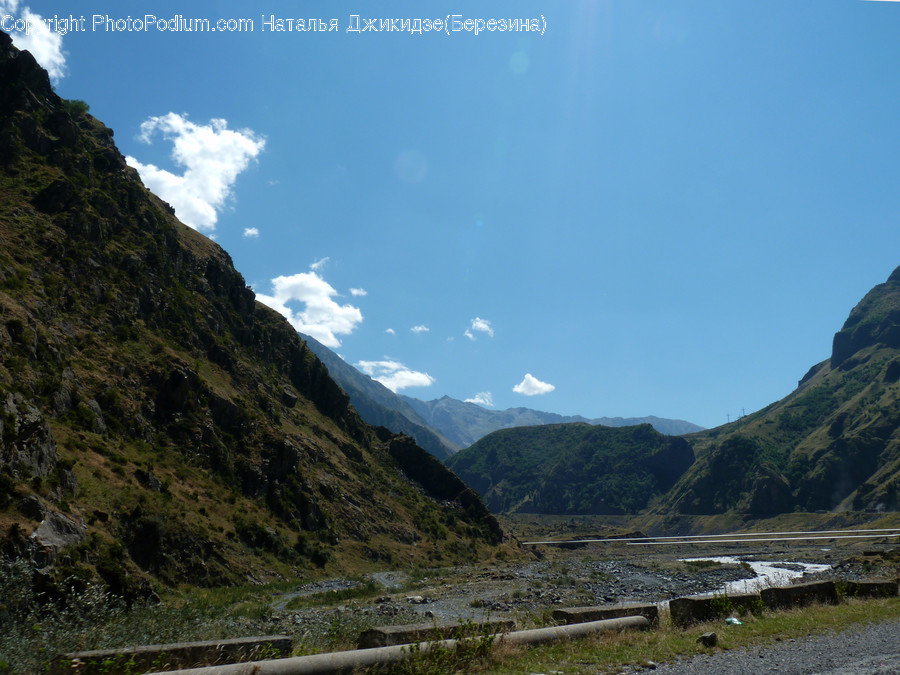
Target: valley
x,y
177,462
328,614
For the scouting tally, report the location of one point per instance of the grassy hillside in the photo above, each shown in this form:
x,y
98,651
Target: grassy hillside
x,y
572,468
834,443
162,423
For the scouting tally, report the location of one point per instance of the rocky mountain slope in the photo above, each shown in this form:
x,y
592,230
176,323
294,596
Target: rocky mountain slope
x,y
464,423
155,420
833,443
379,405
572,468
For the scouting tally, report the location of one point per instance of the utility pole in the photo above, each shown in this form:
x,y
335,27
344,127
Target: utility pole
x,y
728,416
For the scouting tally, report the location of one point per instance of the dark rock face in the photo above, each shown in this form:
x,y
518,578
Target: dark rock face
x,y
27,446
874,321
440,483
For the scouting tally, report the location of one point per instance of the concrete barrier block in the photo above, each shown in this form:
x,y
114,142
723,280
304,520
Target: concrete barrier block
x,y
869,588
700,608
799,595
177,655
387,636
613,611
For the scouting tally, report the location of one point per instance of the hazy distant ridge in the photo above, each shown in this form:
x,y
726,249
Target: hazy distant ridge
x,y
464,423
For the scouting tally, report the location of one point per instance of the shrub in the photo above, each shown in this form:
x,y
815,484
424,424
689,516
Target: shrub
x,y
76,107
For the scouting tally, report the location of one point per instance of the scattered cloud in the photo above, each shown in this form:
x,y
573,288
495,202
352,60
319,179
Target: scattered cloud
x,y
531,386
319,264
482,398
360,292
212,156
45,45
394,375
321,317
479,326
251,232
421,328
391,331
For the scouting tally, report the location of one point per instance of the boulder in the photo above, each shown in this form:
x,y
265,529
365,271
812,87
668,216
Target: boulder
x,y
59,531
708,639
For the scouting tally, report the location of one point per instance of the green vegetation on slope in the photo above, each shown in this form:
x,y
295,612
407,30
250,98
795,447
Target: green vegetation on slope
x,y
834,443
166,426
572,468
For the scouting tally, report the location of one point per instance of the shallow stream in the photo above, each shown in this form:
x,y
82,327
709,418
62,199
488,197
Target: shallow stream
x,y
768,573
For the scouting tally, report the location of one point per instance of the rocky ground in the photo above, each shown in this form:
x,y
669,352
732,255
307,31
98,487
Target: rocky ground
x,y
526,592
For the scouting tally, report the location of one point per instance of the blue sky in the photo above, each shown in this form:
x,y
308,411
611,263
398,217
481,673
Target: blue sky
x,y
658,207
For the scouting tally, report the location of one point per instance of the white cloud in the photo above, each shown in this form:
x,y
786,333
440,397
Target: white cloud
x,y
251,232
212,155
360,292
531,386
422,328
481,326
319,264
394,375
45,45
321,317
482,398
391,331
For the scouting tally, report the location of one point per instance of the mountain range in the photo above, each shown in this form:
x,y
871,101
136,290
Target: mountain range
x,y
445,425
831,444
157,423
379,405
464,423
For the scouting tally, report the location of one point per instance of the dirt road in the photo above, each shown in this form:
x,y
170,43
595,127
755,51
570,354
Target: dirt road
x,y
864,650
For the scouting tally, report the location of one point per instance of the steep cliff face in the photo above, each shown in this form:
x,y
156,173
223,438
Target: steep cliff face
x,y
834,443
146,395
874,321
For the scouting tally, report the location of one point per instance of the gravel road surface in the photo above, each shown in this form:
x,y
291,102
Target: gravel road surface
x,y
864,650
